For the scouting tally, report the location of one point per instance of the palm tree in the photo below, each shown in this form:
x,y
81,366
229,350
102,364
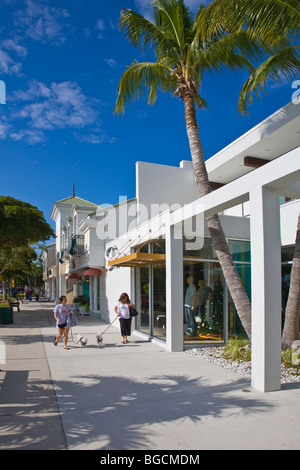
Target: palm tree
x,y
184,52
292,312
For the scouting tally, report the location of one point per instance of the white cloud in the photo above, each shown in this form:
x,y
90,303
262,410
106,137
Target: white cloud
x,y
42,108
31,136
42,22
61,105
8,64
111,62
12,44
35,90
100,25
4,130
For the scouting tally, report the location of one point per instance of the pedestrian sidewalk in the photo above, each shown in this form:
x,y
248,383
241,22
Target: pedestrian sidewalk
x,y
136,396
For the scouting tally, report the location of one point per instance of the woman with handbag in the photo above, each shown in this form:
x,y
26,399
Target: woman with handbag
x,y
122,310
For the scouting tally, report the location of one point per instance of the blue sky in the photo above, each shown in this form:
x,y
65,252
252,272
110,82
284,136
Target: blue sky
x,y
61,62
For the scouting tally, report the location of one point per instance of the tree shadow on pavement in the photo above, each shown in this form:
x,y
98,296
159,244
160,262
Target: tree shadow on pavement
x,y
118,413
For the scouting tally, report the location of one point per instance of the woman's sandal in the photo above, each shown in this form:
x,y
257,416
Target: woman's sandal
x,y
55,342
66,347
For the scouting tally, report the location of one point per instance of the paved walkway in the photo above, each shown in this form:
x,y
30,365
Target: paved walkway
x,y
129,397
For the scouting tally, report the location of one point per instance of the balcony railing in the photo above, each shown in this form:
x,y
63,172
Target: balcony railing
x,y
77,245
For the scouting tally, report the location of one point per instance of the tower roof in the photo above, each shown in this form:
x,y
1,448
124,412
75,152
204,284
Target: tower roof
x,y
76,201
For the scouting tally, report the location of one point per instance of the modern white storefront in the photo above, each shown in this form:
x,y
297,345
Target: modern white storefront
x,y
162,240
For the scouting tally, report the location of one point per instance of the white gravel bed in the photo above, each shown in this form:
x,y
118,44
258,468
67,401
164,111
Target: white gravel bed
x,y
215,355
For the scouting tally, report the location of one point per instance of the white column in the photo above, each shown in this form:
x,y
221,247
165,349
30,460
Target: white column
x,y
174,289
75,288
266,289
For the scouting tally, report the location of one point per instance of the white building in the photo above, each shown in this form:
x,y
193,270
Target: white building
x,y
148,246
49,271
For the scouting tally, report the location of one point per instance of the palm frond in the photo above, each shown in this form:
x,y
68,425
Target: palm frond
x,y
175,19
143,79
283,65
236,52
267,19
139,29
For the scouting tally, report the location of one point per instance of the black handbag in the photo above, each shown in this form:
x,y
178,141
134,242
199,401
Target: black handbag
x,y
133,312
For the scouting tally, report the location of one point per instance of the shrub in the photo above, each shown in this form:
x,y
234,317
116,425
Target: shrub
x,y
238,349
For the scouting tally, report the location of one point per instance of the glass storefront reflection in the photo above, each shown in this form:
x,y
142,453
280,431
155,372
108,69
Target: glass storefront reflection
x,y
213,318
206,318
159,302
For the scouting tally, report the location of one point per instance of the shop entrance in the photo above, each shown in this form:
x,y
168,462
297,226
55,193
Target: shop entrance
x,y
150,294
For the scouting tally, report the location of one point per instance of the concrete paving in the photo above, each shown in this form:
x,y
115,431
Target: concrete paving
x,y
136,396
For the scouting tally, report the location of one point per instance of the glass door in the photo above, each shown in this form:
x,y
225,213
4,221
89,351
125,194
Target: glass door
x,y
159,302
142,299
151,300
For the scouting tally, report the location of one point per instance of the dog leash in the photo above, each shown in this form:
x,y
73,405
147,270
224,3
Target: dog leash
x,y
71,328
109,325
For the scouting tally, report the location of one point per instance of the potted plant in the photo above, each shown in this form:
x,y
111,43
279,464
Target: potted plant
x,y
76,304
82,310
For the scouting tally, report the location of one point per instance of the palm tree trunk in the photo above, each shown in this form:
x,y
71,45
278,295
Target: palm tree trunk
x,y
232,278
292,313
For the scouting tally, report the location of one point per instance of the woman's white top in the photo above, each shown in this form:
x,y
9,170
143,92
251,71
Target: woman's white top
x,y
123,309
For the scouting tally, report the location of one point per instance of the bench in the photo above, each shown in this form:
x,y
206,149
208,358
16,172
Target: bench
x,y
15,303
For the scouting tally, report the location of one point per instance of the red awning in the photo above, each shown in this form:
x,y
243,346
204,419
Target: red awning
x,y
92,272
72,276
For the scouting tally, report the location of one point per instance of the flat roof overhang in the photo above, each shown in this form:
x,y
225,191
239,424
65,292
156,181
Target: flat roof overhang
x,y
137,260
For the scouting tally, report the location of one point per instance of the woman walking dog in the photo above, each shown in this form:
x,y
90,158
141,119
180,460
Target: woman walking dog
x,y
62,315
122,311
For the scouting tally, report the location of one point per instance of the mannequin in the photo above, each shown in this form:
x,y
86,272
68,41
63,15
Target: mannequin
x,y
189,305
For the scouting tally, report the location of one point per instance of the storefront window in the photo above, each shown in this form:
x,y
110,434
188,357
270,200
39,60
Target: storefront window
x,y
240,250
208,323
287,255
199,248
214,317
204,287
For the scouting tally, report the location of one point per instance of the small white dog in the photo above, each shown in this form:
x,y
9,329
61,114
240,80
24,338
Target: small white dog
x,y
99,339
82,340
